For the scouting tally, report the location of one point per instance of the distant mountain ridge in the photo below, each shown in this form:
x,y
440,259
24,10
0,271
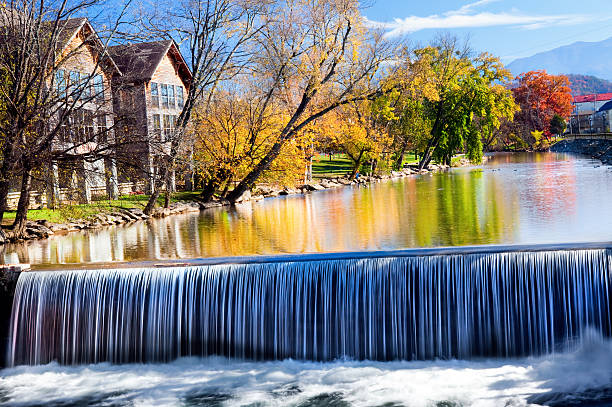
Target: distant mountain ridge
x,y
588,85
584,58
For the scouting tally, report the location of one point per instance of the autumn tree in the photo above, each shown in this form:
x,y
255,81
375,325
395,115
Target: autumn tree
x,y
466,97
231,138
540,96
311,58
215,34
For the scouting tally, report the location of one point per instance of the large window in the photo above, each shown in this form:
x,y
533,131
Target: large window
x,y
74,80
98,85
168,127
157,126
60,82
180,101
154,94
102,129
171,96
85,88
164,96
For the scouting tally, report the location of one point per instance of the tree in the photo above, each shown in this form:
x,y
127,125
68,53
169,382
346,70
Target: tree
x,y
312,57
46,110
216,34
540,96
465,98
557,125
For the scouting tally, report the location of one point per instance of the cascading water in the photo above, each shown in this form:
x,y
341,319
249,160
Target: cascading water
x,y
395,308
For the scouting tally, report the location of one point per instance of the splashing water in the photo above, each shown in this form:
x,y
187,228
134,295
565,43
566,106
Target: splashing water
x,y
582,376
511,304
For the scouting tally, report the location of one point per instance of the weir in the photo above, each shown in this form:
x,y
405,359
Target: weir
x,y
405,305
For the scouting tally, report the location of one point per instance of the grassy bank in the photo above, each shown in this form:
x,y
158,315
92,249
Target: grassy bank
x,y
67,212
340,165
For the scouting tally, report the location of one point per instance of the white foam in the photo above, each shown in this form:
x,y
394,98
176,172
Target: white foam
x,y
474,383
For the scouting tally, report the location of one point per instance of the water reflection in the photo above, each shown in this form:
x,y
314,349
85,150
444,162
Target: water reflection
x,y
515,198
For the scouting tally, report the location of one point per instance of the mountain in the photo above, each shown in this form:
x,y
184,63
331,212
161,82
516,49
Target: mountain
x,y
586,58
586,85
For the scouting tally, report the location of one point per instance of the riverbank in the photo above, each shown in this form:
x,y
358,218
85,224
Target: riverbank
x,y
129,210
600,149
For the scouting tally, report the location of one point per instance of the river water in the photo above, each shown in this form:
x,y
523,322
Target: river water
x,y
513,199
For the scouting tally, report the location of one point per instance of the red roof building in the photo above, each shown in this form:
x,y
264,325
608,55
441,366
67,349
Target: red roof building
x,y
601,97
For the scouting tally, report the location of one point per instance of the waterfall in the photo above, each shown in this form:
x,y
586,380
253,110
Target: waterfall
x,y
396,308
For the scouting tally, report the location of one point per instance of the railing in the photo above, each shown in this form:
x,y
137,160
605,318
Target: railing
x,y
596,136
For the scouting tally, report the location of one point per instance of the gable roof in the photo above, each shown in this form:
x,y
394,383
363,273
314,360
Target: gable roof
x,y
71,27
139,61
66,30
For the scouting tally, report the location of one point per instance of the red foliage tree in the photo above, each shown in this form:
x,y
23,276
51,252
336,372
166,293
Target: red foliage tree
x,y
541,96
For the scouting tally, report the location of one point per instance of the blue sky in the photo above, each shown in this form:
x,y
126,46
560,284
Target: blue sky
x,y
507,28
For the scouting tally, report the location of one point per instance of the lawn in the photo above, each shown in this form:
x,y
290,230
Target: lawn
x,y
340,164
66,212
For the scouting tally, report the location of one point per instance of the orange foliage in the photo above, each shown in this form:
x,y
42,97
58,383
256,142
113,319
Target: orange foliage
x,y
540,97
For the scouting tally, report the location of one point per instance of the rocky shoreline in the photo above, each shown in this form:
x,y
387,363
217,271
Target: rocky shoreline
x,y
43,229
600,149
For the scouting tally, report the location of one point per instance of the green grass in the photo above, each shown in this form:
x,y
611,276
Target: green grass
x,y
67,212
340,165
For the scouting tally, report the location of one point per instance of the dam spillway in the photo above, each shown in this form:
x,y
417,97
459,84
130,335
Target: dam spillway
x,y
387,307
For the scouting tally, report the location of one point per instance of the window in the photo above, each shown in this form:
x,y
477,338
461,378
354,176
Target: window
x,y
74,79
180,101
85,88
98,85
168,127
88,126
171,96
101,128
60,82
157,126
164,95
154,94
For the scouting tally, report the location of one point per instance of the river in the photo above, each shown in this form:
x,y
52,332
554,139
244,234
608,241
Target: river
x,y
513,199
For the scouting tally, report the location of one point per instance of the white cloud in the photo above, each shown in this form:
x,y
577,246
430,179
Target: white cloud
x,y
467,17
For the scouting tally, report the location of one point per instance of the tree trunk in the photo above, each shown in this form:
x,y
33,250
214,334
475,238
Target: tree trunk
x,y
357,165
256,172
153,198
5,186
21,218
400,157
208,191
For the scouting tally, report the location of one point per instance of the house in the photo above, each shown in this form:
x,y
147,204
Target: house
x,y
80,98
584,118
148,97
85,72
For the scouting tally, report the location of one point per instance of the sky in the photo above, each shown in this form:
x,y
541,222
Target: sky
x,y
509,29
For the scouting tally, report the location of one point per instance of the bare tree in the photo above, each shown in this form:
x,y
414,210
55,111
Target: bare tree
x,y
214,34
55,91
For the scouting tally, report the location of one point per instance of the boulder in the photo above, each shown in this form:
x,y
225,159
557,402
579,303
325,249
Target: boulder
x,y
245,197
